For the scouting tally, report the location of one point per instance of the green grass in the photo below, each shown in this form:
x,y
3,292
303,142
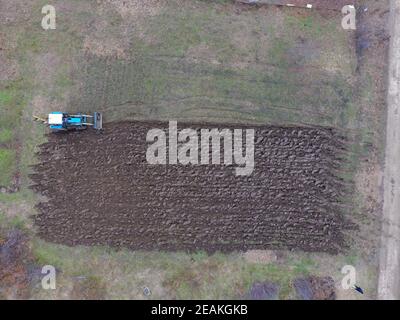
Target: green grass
x,y
7,166
162,82
304,266
14,222
6,135
15,97
9,198
5,97
278,51
231,277
12,102
189,276
183,276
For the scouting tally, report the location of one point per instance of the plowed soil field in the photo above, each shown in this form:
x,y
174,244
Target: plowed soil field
x,y
102,191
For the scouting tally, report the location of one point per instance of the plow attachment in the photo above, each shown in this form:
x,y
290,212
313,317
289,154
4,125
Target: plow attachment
x,y
98,121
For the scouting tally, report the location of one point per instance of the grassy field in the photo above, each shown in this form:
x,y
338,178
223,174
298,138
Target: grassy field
x,y
9,119
207,63
185,60
184,276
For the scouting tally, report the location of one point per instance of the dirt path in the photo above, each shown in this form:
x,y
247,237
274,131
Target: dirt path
x,y
390,254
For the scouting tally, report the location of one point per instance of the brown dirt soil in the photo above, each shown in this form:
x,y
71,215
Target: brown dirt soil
x,y
14,271
315,288
13,12
102,191
263,291
88,289
8,68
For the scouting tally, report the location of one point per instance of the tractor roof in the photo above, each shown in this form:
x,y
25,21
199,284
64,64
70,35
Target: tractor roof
x,y
55,118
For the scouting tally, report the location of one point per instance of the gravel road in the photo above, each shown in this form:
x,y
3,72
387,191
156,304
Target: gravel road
x,y
389,282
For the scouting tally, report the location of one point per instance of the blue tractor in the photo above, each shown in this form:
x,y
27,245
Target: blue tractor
x,y
61,121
